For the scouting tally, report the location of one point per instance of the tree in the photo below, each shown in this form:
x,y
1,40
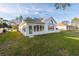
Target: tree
x,y
20,18
28,18
75,19
5,25
62,5
75,22
66,22
1,20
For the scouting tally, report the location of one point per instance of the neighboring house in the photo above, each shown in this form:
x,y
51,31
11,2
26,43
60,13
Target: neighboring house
x,y
62,26
6,21
4,27
38,27
76,24
71,27
12,23
1,30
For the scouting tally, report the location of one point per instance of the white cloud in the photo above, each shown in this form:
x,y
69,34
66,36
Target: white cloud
x,y
7,10
33,10
26,10
36,12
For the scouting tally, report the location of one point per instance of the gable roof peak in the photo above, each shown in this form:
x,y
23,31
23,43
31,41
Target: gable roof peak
x,y
51,18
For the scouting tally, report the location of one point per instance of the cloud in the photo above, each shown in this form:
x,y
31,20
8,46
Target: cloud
x,y
33,10
7,10
20,9
36,12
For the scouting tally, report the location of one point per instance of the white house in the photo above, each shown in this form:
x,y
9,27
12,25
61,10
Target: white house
x,y
38,27
61,26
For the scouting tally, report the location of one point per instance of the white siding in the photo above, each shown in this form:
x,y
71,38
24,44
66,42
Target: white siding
x,y
62,27
21,29
34,33
45,31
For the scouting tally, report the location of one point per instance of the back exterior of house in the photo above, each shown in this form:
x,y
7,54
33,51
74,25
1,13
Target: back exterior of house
x,y
38,27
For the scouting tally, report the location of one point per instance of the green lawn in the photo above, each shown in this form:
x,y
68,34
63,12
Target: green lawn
x,y
62,43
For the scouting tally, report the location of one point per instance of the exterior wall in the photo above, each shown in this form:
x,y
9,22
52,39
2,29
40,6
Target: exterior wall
x,y
21,29
62,27
66,27
50,31
34,33
46,27
72,28
45,31
69,28
1,30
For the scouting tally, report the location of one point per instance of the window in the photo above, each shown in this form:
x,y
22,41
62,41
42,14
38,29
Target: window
x,y
53,28
41,27
35,28
38,28
24,28
30,29
50,27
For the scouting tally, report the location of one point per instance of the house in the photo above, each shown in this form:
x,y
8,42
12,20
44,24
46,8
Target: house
x,y
4,27
1,30
61,26
38,27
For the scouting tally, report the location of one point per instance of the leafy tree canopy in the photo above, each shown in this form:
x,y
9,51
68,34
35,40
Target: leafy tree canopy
x,y
65,22
28,18
75,19
62,5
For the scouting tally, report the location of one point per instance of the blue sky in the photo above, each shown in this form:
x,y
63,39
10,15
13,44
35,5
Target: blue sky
x,y
12,10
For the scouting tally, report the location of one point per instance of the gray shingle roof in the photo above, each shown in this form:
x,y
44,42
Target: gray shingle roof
x,y
35,21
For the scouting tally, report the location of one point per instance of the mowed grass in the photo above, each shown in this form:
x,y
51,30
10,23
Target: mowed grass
x,y
54,44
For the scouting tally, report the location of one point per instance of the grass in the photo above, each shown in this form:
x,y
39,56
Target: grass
x,y
54,44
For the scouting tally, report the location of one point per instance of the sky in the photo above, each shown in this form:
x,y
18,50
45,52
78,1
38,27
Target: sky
x,y
10,11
